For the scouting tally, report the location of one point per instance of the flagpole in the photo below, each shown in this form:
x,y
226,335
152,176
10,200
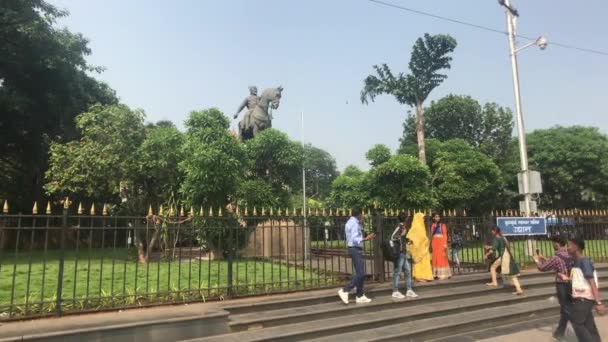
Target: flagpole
x,y
306,235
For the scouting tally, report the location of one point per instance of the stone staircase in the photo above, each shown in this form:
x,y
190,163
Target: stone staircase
x,y
462,306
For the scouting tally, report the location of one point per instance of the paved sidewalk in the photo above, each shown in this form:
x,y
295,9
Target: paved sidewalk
x,y
544,333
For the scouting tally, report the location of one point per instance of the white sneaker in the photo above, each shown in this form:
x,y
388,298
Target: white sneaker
x,y
363,300
411,294
343,295
398,295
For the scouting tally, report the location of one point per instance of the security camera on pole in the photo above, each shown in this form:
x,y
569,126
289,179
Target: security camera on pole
x,y
529,181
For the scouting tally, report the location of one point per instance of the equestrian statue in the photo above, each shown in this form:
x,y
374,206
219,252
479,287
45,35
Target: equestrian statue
x,y
259,111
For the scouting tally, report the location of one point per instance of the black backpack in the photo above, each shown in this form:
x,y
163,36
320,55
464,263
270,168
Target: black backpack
x,y
391,248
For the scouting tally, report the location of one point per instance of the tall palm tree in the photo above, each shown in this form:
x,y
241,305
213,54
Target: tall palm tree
x,y
430,55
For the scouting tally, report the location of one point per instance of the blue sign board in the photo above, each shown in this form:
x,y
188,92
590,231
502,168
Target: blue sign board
x,y
522,225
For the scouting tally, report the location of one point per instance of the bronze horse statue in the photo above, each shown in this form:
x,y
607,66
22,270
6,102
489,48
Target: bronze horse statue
x,y
259,117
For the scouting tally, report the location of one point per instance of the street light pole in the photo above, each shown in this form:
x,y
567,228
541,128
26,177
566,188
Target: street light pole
x,y
521,131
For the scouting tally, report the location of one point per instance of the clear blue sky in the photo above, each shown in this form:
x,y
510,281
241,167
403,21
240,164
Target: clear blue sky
x,y
171,57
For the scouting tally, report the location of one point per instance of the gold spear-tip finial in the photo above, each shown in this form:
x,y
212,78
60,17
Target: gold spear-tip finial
x,y
79,212
35,208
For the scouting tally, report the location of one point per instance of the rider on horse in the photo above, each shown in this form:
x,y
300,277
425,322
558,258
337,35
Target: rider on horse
x,y
250,102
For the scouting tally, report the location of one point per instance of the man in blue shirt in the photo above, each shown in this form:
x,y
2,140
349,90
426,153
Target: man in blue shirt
x,y
354,240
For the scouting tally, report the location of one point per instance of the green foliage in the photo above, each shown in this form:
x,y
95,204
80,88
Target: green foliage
x,y
464,177
224,234
102,160
433,146
378,154
573,162
276,160
214,160
430,55
46,82
401,182
159,156
320,168
257,193
351,189
487,128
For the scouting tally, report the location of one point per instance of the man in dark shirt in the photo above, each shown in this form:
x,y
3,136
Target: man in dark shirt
x,y
560,264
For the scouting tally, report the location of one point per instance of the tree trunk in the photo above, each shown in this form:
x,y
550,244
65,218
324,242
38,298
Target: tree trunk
x,y
420,133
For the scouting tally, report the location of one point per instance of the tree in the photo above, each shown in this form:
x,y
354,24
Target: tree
x,y
430,55
401,182
320,168
44,83
276,160
464,177
103,161
378,154
487,127
214,160
351,189
573,162
158,158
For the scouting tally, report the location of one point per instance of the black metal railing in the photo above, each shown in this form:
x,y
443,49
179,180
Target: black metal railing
x,y
51,265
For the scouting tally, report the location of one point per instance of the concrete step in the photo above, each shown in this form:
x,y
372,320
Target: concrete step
x,y
322,297
548,320
453,323
350,327
382,301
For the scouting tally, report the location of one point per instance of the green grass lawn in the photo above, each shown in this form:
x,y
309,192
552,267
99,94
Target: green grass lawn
x,y
113,278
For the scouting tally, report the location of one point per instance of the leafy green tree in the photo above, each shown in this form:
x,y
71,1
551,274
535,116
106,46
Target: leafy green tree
x,y
573,162
401,182
321,170
464,177
214,160
158,158
45,82
378,154
487,127
103,161
277,160
259,194
351,189
430,55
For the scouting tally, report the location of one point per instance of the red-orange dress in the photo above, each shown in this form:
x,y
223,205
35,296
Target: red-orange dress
x,y
439,243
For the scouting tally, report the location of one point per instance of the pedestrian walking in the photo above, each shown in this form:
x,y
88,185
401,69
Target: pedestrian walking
x,y
585,293
560,263
504,259
402,263
354,239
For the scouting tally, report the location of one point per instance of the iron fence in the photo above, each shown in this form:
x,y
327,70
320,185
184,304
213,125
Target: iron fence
x,y
51,265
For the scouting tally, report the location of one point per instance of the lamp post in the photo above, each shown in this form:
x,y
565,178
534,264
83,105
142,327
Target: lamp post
x,y
541,42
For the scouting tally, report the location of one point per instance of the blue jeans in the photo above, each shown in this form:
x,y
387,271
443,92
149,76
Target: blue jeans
x,y
454,253
402,264
356,255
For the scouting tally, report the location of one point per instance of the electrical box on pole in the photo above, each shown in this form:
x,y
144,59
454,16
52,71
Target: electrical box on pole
x,y
535,185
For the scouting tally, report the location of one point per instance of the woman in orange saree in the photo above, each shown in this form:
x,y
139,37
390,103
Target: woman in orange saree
x,y
439,245
418,247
